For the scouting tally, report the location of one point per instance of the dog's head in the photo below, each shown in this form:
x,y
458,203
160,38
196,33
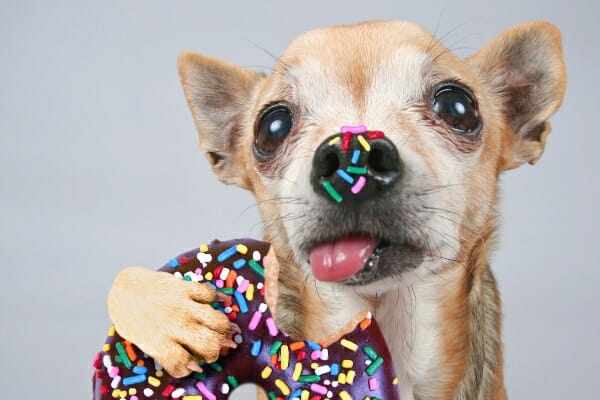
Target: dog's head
x,y
428,180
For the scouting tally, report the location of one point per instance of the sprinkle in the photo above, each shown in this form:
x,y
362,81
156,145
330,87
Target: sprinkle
x,y
231,279
313,345
297,371
224,273
216,366
295,346
375,135
238,264
153,381
356,170
115,382
177,393
373,384
173,262
282,386
325,354
227,254
262,308
192,397
241,302
350,376
370,352
111,331
342,378
256,346
256,267
345,176
360,184
349,345
243,286
347,363
363,142
140,370
304,395
285,356
275,347
309,378
355,156
203,248
365,323
354,128
256,317
266,372
346,141
205,392
225,388
123,354
241,248
345,396
332,192
148,392
256,255
371,369
322,370
315,387
233,381
334,141
395,380
335,369
315,355
296,394
250,292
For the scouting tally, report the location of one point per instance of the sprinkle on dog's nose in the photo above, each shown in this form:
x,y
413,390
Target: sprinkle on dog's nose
x,y
355,165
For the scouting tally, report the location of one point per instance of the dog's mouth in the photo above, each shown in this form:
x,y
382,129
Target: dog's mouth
x,y
346,258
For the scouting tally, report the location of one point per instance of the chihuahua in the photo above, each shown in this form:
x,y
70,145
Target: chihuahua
x,y
413,246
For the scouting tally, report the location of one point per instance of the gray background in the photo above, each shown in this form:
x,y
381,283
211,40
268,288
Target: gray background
x,y
99,169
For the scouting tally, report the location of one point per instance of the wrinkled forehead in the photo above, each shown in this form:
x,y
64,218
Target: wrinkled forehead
x,y
345,69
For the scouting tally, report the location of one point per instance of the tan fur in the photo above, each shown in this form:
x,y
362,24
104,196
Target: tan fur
x,y
443,320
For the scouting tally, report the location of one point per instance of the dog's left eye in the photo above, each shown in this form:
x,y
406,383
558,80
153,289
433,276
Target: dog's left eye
x,y
274,125
456,107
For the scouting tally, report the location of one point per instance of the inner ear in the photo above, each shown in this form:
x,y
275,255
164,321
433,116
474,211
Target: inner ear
x,y
219,95
524,68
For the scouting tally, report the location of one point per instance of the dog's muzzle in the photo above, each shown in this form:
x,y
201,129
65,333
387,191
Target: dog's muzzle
x,y
355,165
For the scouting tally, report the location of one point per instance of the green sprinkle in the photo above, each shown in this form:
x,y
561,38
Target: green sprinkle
x,y
308,378
217,367
123,354
272,395
332,192
119,359
233,381
370,352
371,369
215,304
187,278
226,290
275,347
200,376
356,170
257,268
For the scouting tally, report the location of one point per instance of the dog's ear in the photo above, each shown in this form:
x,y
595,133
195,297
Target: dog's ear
x,y
524,67
219,95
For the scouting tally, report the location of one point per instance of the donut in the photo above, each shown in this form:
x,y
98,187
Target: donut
x,y
353,364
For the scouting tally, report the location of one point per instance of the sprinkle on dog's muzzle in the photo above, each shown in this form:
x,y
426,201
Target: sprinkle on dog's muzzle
x,y
355,165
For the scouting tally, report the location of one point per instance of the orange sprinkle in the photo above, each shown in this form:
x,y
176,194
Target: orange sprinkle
x,y
235,308
230,281
130,351
365,323
297,346
140,363
273,359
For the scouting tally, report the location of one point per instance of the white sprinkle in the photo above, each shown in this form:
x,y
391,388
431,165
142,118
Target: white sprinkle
x,y
327,382
262,308
177,393
106,361
227,310
330,394
325,354
335,384
239,280
367,362
177,274
256,255
148,392
225,388
259,285
115,382
238,338
224,273
323,369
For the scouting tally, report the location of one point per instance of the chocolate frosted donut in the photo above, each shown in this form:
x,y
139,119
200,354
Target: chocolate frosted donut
x,y
356,364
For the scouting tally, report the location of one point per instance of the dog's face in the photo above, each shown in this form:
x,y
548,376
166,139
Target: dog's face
x,y
450,126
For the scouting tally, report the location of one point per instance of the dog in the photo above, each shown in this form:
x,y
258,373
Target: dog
x,y
414,247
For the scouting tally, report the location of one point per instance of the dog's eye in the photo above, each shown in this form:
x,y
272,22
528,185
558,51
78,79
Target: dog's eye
x,y
274,125
457,109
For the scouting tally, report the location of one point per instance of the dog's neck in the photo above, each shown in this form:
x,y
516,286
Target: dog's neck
x,y
435,325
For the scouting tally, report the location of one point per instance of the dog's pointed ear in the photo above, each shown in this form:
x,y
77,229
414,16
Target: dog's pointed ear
x,y
219,95
524,67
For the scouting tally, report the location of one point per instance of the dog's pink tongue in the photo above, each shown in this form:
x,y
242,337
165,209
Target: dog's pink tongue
x,y
341,259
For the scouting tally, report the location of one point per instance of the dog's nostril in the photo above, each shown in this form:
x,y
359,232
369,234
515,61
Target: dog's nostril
x,y
329,163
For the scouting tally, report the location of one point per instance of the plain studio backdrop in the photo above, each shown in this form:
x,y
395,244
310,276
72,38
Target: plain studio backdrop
x,y
100,169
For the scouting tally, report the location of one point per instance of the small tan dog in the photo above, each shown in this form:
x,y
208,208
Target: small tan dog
x,y
413,248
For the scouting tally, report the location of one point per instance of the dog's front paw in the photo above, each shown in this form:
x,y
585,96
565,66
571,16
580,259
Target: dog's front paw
x,y
169,319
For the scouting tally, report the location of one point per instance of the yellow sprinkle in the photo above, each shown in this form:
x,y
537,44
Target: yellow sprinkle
x,y
304,395
285,390
395,380
116,393
284,357
342,378
266,372
250,292
208,276
132,391
350,377
111,331
364,143
347,363
349,345
297,371
153,381
159,373
123,393
314,365
345,396
106,347
242,249
203,248
334,140
192,397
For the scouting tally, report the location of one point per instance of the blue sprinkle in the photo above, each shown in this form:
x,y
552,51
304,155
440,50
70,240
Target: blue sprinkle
x,y
344,175
132,380
241,302
209,283
227,253
313,345
335,369
355,156
140,370
295,395
237,264
173,262
256,346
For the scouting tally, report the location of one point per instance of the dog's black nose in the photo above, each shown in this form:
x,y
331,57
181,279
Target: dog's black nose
x,y
355,165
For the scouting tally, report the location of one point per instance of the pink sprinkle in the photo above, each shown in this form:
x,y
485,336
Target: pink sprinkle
x,y
255,320
315,387
113,371
220,283
356,129
359,185
243,286
204,390
198,271
315,355
133,397
373,384
272,327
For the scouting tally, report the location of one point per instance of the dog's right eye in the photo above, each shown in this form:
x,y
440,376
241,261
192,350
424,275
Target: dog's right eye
x,y
274,125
